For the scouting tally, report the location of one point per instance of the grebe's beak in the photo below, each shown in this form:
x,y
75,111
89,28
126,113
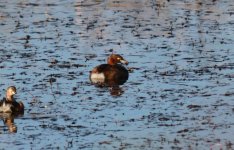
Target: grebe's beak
x,y
124,61
14,92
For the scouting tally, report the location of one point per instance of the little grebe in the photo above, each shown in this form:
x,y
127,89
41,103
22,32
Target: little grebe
x,y
112,73
8,104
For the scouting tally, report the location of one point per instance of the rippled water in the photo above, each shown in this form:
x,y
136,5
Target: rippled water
x,y
179,94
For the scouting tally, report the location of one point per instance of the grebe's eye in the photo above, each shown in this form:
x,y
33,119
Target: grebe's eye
x,y
119,58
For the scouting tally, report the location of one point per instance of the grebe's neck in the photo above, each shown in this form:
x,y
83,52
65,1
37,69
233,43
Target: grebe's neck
x,y
111,61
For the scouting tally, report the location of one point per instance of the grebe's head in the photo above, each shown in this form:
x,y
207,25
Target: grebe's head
x,y
11,91
114,59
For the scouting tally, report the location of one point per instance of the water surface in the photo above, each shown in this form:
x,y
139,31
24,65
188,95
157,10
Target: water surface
x,y
179,94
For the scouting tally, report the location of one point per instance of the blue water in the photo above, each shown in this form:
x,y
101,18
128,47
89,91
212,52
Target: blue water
x,y
179,94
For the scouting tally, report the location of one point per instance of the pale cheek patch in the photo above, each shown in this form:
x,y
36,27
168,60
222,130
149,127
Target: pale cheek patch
x,y
97,77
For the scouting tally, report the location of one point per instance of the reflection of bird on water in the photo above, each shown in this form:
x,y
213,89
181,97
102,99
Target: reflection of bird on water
x,y
110,74
8,119
9,104
116,91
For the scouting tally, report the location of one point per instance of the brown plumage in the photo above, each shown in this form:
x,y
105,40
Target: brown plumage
x,y
9,104
112,73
